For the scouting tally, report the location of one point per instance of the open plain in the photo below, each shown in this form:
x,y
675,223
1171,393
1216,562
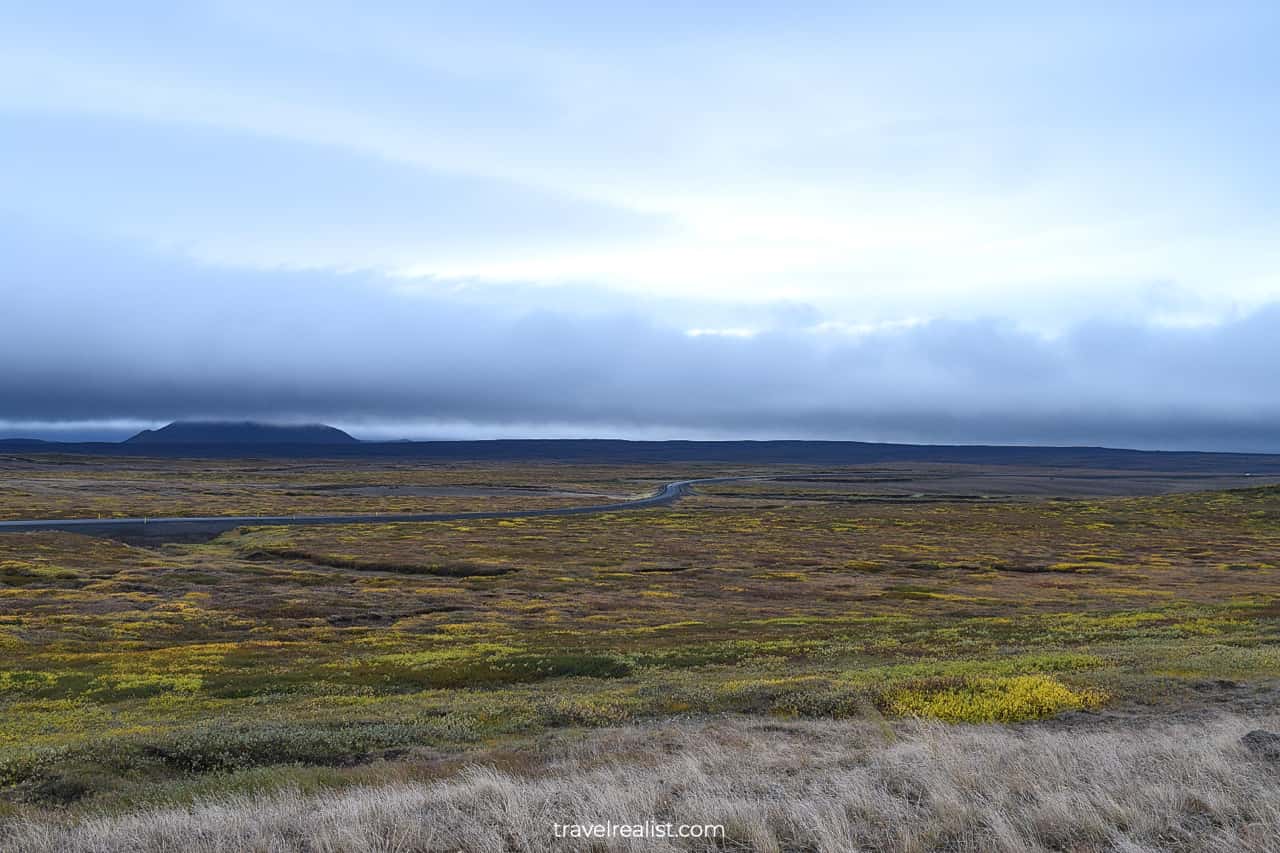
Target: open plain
x,y
863,638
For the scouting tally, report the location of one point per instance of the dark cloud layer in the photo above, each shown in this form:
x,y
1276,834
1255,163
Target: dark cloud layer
x,y
88,333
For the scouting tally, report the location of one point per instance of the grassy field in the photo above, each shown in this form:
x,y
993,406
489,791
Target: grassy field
x,y
300,659
777,785
88,487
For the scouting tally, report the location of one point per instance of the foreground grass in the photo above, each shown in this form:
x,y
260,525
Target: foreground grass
x,y
817,786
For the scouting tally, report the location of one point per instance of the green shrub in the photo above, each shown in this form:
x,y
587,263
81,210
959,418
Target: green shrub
x,y
222,748
1003,699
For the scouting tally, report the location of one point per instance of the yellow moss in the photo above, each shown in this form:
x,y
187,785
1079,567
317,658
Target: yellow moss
x,y
148,682
25,681
688,623
994,699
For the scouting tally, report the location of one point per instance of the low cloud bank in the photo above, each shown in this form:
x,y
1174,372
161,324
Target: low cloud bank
x,y
94,335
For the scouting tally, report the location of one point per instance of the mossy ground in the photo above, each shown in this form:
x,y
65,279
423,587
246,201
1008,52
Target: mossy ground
x,y
273,655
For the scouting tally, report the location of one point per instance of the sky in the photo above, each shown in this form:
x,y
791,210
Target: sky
x,y
962,223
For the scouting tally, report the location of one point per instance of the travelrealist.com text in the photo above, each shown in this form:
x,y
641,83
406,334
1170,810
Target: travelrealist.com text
x,y
647,829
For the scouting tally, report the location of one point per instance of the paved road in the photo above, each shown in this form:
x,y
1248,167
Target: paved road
x,y
187,525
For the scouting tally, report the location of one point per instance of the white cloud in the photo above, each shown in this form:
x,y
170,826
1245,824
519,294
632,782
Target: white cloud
x,y
788,188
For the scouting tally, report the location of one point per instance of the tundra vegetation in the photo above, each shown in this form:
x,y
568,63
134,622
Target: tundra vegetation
x,y
754,616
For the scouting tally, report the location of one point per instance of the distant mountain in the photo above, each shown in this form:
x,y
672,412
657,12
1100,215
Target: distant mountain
x,y
243,432
242,440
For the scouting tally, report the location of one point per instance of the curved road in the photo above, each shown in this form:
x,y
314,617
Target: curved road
x,y
180,525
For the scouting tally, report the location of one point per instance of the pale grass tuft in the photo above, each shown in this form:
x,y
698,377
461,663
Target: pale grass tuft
x,y
812,786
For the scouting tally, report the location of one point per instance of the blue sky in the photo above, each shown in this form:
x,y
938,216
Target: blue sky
x,y
933,222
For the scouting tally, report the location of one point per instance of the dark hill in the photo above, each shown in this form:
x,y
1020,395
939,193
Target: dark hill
x,y
661,452
244,440
245,432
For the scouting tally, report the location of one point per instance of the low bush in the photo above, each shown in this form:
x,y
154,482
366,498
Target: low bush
x,y
990,699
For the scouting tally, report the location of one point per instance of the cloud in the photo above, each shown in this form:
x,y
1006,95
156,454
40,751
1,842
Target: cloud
x,y
1008,224
255,201
91,333
1013,160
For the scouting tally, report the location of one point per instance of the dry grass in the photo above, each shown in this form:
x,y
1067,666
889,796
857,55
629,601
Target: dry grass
x,y
125,670
54,486
385,657
812,786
